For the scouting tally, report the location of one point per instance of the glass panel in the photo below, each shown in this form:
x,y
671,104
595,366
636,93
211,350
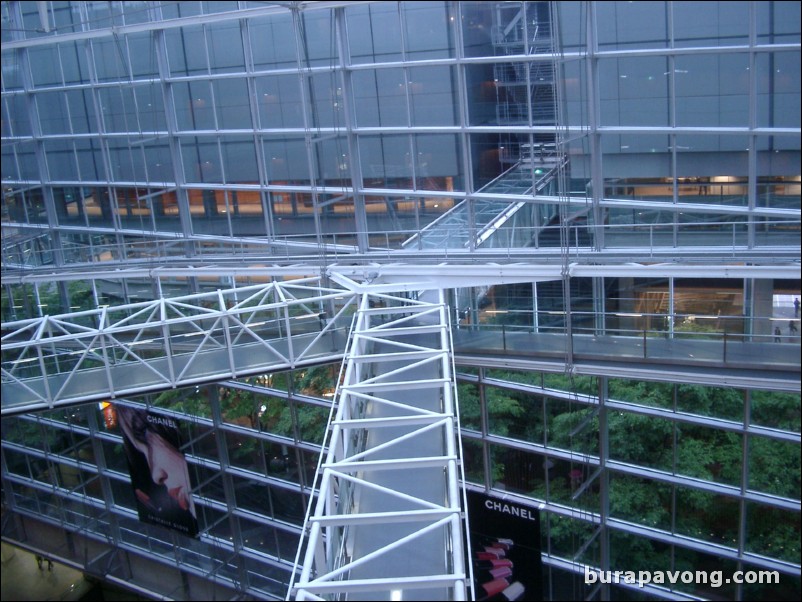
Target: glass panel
x,y
433,98
641,440
473,461
772,532
438,163
53,116
319,42
714,574
623,25
712,89
286,162
518,471
709,454
707,516
90,161
258,536
239,159
778,22
567,536
775,409
201,164
428,30
380,97
231,103
659,395
108,62
193,106
778,89
774,467
710,401
118,109
278,98
186,50
690,30
46,59
640,501
630,552
142,53
374,32
61,160
386,161
272,41
634,91
82,111
225,47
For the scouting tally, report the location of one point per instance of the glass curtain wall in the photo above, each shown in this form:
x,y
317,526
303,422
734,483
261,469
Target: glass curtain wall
x,y
648,131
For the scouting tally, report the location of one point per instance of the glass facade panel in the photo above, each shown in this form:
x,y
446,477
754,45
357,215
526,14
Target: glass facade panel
x,y
775,410
773,533
774,467
778,90
428,30
623,25
692,31
635,91
712,89
374,33
278,98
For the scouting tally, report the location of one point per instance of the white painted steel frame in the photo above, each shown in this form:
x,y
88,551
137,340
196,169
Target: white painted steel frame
x,y
349,469
165,338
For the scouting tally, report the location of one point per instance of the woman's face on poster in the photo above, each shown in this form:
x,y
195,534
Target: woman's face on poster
x,y
168,468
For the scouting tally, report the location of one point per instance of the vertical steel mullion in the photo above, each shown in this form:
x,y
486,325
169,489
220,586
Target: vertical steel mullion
x,y
355,159
171,121
227,333
42,364
165,328
464,122
742,502
304,80
102,335
752,137
32,110
225,464
253,102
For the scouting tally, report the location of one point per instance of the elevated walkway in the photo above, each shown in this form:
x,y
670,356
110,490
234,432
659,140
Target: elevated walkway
x,y
159,345
491,219
388,524
168,343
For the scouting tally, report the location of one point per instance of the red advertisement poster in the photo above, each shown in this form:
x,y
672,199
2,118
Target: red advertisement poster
x,y
158,468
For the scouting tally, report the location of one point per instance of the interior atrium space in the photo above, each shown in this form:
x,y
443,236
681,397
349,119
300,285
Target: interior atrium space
x,y
417,300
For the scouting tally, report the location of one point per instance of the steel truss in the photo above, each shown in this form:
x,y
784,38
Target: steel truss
x,y
388,520
169,343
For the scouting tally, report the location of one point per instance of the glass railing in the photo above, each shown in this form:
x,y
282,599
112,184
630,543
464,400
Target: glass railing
x,y
728,237
687,339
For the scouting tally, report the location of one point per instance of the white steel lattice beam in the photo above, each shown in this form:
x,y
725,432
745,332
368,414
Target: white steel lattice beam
x,y
166,343
393,459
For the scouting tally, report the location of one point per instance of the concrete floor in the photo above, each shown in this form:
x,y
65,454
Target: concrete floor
x,y
23,580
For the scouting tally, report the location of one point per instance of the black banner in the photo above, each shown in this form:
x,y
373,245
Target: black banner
x,y
158,469
504,548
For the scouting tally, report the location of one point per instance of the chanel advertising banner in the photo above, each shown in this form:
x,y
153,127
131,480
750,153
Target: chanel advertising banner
x,y
504,548
158,469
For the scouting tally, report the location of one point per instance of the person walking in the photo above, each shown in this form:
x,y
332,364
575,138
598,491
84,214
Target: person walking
x,y
39,561
792,330
796,307
777,334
